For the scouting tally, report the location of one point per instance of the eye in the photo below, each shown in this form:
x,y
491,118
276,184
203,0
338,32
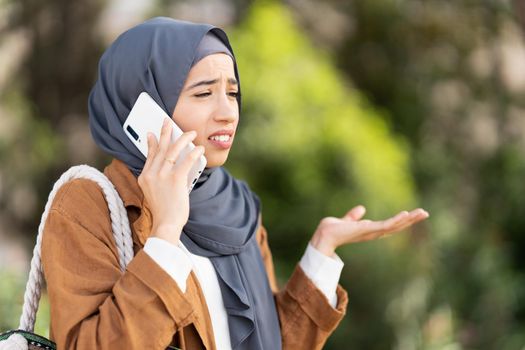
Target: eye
x,y
204,94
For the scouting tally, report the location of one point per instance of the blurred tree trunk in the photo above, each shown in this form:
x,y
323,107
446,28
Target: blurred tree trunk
x,y
519,5
64,48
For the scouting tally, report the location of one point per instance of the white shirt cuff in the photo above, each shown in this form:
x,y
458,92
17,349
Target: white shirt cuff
x,y
170,258
323,271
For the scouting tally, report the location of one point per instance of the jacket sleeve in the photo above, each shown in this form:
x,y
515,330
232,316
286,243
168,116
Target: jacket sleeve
x,y
306,316
94,305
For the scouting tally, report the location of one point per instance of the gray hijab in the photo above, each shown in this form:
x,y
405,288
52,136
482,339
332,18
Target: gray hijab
x,y
156,57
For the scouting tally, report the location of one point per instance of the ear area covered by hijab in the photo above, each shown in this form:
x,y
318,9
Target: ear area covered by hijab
x,y
155,56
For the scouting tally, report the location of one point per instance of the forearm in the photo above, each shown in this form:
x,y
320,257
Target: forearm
x,y
96,306
135,314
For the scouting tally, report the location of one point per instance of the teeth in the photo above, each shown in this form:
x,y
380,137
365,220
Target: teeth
x,y
221,138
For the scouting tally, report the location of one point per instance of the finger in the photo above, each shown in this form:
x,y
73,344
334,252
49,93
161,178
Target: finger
x,y
399,225
368,228
389,224
356,213
417,217
162,143
165,137
419,212
407,219
152,149
175,150
188,162
413,217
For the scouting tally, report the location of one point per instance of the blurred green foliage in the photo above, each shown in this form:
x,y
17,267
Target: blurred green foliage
x,y
11,300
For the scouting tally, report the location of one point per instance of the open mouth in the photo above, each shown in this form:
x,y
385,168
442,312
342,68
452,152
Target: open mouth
x,y
221,141
220,138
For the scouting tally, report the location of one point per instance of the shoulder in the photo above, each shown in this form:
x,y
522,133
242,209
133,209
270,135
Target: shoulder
x,y
78,195
77,238
82,201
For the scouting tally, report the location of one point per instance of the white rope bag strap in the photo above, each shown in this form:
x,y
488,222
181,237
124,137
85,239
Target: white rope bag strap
x,y
119,224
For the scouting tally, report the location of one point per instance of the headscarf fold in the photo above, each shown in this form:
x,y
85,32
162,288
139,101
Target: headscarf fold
x,y
156,56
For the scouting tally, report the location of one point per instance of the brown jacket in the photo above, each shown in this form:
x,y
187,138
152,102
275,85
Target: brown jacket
x,y
96,306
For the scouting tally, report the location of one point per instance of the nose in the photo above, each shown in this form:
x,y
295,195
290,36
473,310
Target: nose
x,y
226,109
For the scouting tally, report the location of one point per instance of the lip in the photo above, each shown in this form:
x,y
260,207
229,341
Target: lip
x,y
220,144
222,132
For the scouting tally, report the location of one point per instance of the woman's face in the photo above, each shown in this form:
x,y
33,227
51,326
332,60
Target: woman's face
x,y
208,105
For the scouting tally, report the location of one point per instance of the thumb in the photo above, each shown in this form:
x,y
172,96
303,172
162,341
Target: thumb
x,y
356,213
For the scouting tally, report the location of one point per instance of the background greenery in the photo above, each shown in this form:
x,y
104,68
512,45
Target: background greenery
x,y
390,104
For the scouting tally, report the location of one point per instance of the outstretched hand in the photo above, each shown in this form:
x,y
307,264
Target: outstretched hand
x,y
334,232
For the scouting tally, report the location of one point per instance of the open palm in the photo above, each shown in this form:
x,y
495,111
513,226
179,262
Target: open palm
x,y
334,232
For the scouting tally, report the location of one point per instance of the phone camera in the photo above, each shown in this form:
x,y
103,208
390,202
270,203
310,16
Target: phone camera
x,y
132,132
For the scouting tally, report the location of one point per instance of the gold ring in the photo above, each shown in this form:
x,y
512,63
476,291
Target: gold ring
x,y
171,160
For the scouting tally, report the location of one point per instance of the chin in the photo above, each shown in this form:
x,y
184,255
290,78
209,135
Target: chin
x,y
215,160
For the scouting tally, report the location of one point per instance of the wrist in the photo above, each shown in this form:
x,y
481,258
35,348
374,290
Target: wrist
x,y
167,232
323,244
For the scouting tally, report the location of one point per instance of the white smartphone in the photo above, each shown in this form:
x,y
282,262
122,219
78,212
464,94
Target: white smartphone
x,y
147,116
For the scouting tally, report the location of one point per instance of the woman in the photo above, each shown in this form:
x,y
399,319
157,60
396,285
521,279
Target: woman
x,y
202,274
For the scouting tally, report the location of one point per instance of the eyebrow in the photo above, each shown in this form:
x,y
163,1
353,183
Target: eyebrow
x,y
231,81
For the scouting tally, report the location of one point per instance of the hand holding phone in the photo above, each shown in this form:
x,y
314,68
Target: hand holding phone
x,y
164,184
147,116
173,165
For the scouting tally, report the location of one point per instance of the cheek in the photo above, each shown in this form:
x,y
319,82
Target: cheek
x,y
200,128
188,122
192,117
200,140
